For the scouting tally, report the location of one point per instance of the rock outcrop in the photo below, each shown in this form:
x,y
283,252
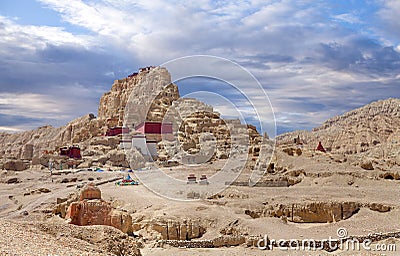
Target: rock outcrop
x,y
90,209
150,89
315,212
148,99
371,132
174,230
15,165
356,131
202,134
46,140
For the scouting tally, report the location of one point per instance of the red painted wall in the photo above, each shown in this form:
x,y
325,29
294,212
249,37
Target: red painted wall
x,y
117,131
72,152
154,128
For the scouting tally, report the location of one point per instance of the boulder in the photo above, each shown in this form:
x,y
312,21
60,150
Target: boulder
x,y
379,207
44,190
12,180
114,158
15,165
367,165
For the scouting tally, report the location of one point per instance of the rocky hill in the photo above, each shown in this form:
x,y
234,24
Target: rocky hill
x,y
20,150
145,95
370,131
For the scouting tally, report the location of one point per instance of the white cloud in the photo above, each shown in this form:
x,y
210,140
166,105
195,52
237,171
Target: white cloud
x,y
389,24
281,42
31,106
348,17
35,37
9,129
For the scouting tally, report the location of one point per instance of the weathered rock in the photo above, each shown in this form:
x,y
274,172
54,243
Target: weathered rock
x,y
44,190
61,200
121,220
390,175
323,212
202,134
15,165
292,151
86,164
367,165
288,151
379,207
148,87
27,152
161,228
61,207
315,212
173,230
12,180
92,210
112,142
90,191
103,240
117,158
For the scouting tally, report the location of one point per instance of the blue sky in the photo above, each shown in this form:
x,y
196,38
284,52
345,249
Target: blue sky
x,y
315,59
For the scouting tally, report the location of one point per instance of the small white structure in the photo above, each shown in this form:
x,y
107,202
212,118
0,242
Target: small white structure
x,y
147,148
152,148
191,179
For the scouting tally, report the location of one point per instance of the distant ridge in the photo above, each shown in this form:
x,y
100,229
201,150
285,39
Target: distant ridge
x,y
373,129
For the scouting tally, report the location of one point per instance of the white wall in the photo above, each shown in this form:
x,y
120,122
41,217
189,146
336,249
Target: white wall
x,y
152,147
146,148
140,143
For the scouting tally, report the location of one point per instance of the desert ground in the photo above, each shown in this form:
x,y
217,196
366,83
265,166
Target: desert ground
x,y
31,200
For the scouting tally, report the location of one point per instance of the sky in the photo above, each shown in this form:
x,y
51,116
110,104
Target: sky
x,y
315,59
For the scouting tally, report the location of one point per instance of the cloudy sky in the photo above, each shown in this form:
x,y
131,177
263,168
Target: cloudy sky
x,y
315,59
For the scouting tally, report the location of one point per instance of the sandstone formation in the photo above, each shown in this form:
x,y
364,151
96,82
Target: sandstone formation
x,y
202,134
46,140
174,230
315,212
356,177
131,98
90,209
370,131
149,99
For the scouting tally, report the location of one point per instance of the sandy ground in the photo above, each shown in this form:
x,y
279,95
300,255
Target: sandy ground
x,y
25,201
